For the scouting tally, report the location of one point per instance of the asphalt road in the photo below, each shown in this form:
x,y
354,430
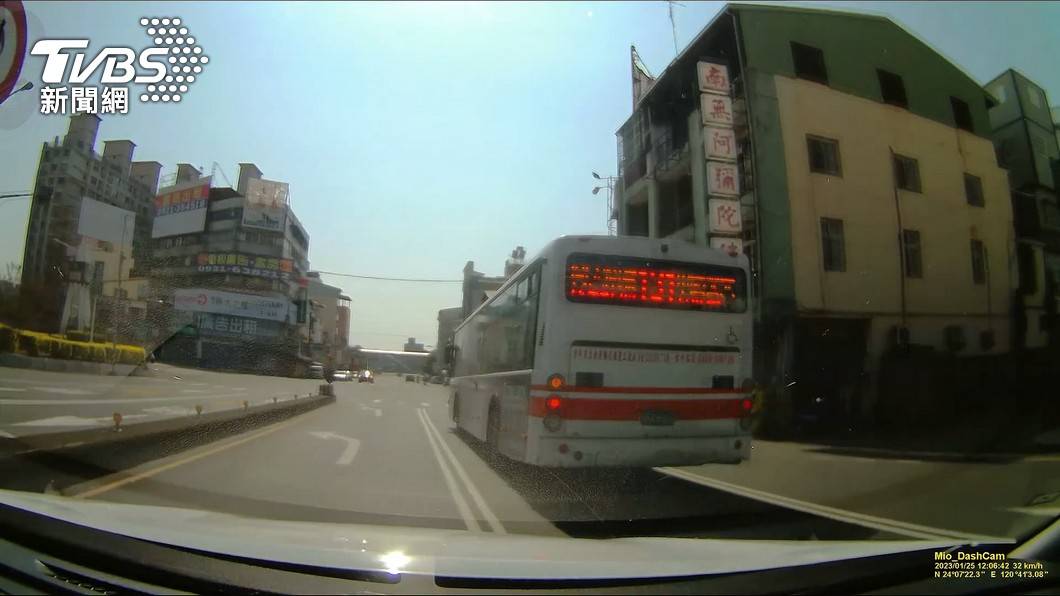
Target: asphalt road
x,y
35,401
385,453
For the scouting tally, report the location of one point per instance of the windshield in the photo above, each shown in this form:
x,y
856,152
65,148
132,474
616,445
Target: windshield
x,y
655,269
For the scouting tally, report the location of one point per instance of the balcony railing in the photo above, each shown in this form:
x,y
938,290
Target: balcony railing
x,y
667,153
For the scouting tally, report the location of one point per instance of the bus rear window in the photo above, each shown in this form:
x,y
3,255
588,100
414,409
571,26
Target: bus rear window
x,y
630,281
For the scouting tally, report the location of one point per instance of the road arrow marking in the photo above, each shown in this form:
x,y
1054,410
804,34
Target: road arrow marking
x,y
352,445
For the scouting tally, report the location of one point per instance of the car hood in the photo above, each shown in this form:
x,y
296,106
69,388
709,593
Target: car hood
x,y
452,553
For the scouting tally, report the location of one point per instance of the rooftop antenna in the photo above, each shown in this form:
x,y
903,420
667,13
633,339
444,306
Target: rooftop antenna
x,y
673,25
216,167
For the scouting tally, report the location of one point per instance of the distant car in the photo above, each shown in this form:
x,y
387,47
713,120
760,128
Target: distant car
x,y
342,375
366,377
315,371
410,378
436,380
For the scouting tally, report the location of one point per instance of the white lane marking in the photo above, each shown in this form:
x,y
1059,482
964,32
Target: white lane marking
x,y
378,412
76,421
851,517
454,491
130,400
376,401
194,390
6,435
350,452
62,390
16,389
425,404
491,519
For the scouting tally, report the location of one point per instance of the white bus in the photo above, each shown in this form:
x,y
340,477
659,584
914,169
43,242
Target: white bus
x,y
606,351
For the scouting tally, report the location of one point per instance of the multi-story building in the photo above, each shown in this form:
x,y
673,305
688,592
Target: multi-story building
x,y
327,332
853,164
1025,135
70,171
228,272
478,287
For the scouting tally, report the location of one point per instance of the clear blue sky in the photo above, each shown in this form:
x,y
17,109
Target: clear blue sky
x,y
419,136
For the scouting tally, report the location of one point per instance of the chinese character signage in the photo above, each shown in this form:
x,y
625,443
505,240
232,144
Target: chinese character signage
x,y
713,78
181,209
716,109
719,143
729,246
229,303
257,266
724,216
723,179
214,324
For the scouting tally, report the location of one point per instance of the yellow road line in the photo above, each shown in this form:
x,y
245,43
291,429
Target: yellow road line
x,y
92,492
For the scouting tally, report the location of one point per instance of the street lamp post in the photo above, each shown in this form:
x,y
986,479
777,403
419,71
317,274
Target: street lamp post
x,y
609,185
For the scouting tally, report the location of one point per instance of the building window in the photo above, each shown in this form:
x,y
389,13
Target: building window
x,y
906,173
973,190
824,155
892,88
914,266
962,114
833,245
809,63
978,262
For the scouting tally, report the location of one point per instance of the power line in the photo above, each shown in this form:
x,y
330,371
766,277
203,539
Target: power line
x,y
380,278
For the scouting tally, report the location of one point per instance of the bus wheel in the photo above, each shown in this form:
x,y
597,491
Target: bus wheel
x,y
493,425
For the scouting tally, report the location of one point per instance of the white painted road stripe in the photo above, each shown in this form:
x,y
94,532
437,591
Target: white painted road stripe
x,y
15,389
850,517
454,491
491,519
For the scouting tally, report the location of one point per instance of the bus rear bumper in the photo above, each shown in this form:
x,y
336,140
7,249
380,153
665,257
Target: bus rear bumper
x,y
579,452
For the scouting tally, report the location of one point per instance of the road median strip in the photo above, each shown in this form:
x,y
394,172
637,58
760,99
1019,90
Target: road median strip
x,y
121,431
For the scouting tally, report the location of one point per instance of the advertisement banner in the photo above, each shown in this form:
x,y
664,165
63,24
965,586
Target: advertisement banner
x,y
181,209
258,266
266,205
224,325
230,303
100,221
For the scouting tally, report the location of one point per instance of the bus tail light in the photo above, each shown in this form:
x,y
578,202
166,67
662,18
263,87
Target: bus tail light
x,y
746,405
553,403
556,381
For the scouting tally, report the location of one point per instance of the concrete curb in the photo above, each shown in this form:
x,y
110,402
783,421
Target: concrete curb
x,y
97,436
72,366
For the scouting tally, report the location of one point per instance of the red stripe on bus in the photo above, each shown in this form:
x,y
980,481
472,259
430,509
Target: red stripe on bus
x,y
588,408
647,390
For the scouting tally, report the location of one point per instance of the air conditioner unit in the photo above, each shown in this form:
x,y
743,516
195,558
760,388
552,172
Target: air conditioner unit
x,y
954,338
899,336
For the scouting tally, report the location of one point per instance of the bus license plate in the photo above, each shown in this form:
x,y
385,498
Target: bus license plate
x,y
657,418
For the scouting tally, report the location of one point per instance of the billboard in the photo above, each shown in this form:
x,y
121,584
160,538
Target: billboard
x,y
108,223
181,208
266,205
255,265
724,216
232,304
